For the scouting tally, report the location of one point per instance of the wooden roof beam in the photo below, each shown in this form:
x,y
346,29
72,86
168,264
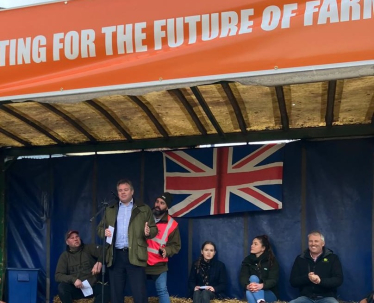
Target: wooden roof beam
x,y
329,118
69,120
235,106
206,109
14,137
282,107
189,109
112,120
31,123
150,115
338,131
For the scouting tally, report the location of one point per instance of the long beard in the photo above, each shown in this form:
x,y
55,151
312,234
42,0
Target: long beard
x,y
158,212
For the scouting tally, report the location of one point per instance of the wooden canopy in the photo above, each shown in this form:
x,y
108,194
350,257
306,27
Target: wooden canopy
x,y
223,112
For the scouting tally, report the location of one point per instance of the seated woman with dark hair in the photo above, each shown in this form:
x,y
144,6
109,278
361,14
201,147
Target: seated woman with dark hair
x,y
259,273
207,280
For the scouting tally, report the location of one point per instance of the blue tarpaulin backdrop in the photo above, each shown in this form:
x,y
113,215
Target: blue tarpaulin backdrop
x,y
326,186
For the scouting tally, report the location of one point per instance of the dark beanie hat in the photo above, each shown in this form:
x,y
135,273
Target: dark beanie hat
x,y
167,197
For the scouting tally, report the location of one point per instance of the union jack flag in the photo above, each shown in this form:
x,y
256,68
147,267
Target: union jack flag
x,y
223,180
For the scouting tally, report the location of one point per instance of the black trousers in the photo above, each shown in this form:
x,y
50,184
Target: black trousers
x,y
68,292
203,296
121,271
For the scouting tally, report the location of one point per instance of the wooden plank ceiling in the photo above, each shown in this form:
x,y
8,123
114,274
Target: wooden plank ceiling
x,y
220,112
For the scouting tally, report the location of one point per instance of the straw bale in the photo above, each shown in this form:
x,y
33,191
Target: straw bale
x,y
173,300
153,300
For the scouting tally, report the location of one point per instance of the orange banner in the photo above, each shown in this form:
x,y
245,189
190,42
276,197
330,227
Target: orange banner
x,y
96,45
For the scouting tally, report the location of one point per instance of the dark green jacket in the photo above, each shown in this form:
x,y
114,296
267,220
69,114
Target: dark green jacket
x,y
140,214
268,275
172,247
73,265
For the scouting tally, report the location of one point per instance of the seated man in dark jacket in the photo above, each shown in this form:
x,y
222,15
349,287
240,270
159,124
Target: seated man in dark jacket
x,y
317,272
78,263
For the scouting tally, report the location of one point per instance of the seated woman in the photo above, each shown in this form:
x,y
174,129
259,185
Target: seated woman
x,y
259,273
207,278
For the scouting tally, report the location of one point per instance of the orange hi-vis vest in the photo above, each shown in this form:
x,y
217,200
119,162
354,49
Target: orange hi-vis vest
x,y
164,230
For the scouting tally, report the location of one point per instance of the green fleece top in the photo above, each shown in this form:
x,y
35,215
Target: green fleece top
x,y
261,267
172,247
140,214
73,265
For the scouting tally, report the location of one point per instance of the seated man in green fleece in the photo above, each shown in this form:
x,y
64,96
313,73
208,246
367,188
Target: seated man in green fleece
x,y
79,264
